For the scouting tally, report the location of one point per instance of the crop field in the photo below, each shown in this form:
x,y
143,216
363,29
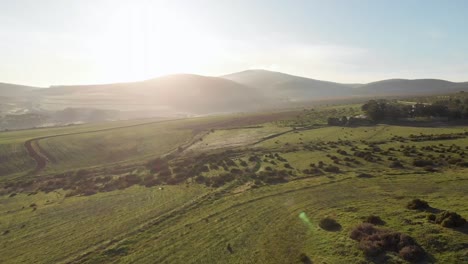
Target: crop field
x,y
256,188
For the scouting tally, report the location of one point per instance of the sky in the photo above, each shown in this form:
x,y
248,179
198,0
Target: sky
x,y
55,42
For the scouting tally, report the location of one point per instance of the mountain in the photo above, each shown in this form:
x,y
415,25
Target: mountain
x,y
410,87
188,93
281,85
297,88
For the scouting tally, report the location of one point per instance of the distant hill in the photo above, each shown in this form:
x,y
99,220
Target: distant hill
x,y
13,90
410,87
283,85
190,93
299,88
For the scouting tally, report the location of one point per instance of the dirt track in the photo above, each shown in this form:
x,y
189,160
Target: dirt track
x,y
41,161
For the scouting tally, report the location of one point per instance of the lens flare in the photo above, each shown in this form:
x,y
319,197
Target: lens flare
x,y
305,220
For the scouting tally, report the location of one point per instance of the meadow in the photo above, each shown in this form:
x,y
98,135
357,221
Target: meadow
x,y
246,188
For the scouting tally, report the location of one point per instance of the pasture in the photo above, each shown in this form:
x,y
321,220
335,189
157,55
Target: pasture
x,y
232,189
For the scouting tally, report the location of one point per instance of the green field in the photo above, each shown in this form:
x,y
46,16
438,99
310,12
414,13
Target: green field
x,y
229,189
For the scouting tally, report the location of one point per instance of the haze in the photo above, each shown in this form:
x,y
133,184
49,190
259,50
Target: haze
x,y
89,42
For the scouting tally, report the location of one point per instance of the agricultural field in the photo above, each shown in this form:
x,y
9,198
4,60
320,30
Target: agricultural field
x,y
280,187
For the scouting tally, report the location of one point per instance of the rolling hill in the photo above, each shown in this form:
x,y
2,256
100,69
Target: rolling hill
x,y
300,88
410,87
281,85
188,93
14,90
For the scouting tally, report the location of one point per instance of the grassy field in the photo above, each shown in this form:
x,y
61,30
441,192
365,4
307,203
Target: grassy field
x,y
62,227
14,157
263,225
230,189
100,148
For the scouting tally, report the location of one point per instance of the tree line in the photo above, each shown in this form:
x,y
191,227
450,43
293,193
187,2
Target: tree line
x,y
379,110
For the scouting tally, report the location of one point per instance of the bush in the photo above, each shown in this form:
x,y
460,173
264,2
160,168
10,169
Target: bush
x,y
365,175
374,219
411,253
331,168
200,179
450,219
374,241
329,224
396,164
431,217
417,204
423,163
305,259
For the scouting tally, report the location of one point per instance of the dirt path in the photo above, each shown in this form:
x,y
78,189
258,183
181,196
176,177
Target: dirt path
x,y
42,158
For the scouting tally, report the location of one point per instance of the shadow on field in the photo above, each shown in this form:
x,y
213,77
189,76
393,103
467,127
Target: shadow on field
x,y
433,210
462,229
384,258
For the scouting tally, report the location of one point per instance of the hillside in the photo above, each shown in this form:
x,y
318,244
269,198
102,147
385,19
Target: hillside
x,y
182,95
281,85
13,90
408,87
299,88
187,93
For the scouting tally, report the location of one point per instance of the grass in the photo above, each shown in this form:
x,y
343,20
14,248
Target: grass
x,y
100,148
228,138
14,157
263,225
63,227
248,219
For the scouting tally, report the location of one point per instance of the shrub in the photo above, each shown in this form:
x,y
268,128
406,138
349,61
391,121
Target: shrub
x,y
422,163
411,253
329,224
365,175
236,171
374,241
305,259
374,219
200,179
396,164
430,169
331,168
417,204
150,181
450,219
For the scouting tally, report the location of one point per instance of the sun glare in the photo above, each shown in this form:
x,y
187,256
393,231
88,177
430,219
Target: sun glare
x,y
145,41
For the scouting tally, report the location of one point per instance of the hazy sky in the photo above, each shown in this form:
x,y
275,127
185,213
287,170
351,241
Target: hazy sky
x,y
50,42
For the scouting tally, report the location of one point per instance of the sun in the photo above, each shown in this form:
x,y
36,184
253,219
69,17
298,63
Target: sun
x,y
150,41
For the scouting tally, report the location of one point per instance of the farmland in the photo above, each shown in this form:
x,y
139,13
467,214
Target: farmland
x,y
246,188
